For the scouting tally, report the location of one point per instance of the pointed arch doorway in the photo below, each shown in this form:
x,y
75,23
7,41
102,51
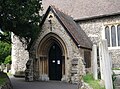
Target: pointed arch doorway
x,y
55,62
52,55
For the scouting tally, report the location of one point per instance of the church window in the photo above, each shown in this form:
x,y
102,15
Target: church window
x,y
112,34
107,35
118,33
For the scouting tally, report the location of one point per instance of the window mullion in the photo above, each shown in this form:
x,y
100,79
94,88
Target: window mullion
x,y
116,35
110,36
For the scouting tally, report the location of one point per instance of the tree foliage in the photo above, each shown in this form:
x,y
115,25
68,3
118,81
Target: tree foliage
x,y
20,17
5,51
5,37
8,60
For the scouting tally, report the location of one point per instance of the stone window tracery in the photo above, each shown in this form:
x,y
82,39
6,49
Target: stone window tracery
x,y
112,34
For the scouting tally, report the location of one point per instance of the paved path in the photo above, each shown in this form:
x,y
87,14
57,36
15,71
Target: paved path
x,y
117,82
19,83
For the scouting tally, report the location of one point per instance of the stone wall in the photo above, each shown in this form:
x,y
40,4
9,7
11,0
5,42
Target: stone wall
x,y
72,51
19,57
93,28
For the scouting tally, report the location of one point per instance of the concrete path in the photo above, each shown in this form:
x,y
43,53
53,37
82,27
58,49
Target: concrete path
x,y
117,82
19,83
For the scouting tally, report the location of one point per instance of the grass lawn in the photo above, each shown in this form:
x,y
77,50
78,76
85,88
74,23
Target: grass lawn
x,y
93,83
2,81
115,68
2,78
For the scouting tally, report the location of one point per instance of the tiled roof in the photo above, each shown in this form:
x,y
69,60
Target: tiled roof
x,y
80,9
74,30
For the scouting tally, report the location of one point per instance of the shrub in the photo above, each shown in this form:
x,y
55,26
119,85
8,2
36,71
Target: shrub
x,y
7,60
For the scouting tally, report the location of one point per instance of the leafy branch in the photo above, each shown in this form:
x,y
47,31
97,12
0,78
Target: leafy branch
x,y
22,18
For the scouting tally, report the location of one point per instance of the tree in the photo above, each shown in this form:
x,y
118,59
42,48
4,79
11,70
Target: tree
x,y
5,37
22,18
5,51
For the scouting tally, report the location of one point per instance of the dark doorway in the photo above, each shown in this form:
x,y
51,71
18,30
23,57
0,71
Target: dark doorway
x,y
55,62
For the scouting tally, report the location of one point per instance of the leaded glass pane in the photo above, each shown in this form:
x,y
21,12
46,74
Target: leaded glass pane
x,y
118,33
107,35
113,36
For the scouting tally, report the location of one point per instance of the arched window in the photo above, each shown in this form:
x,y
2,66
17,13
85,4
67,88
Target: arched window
x,y
113,36
107,35
118,33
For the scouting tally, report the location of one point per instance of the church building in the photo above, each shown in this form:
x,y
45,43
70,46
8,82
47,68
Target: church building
x,y
63,50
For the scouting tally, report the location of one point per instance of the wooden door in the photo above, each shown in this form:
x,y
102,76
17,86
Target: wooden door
x,y
55,62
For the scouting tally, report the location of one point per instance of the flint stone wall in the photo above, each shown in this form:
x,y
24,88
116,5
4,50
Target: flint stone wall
x,y
20,57
72,50
93,28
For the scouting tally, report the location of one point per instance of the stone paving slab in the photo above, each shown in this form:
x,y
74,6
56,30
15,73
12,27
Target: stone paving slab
x,y
19,83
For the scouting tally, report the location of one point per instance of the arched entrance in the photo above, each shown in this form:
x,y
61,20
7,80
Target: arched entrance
x,y
51,56
55,62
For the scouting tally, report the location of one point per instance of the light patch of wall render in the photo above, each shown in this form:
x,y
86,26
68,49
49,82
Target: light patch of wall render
x,y
72,49
93,28
20,57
